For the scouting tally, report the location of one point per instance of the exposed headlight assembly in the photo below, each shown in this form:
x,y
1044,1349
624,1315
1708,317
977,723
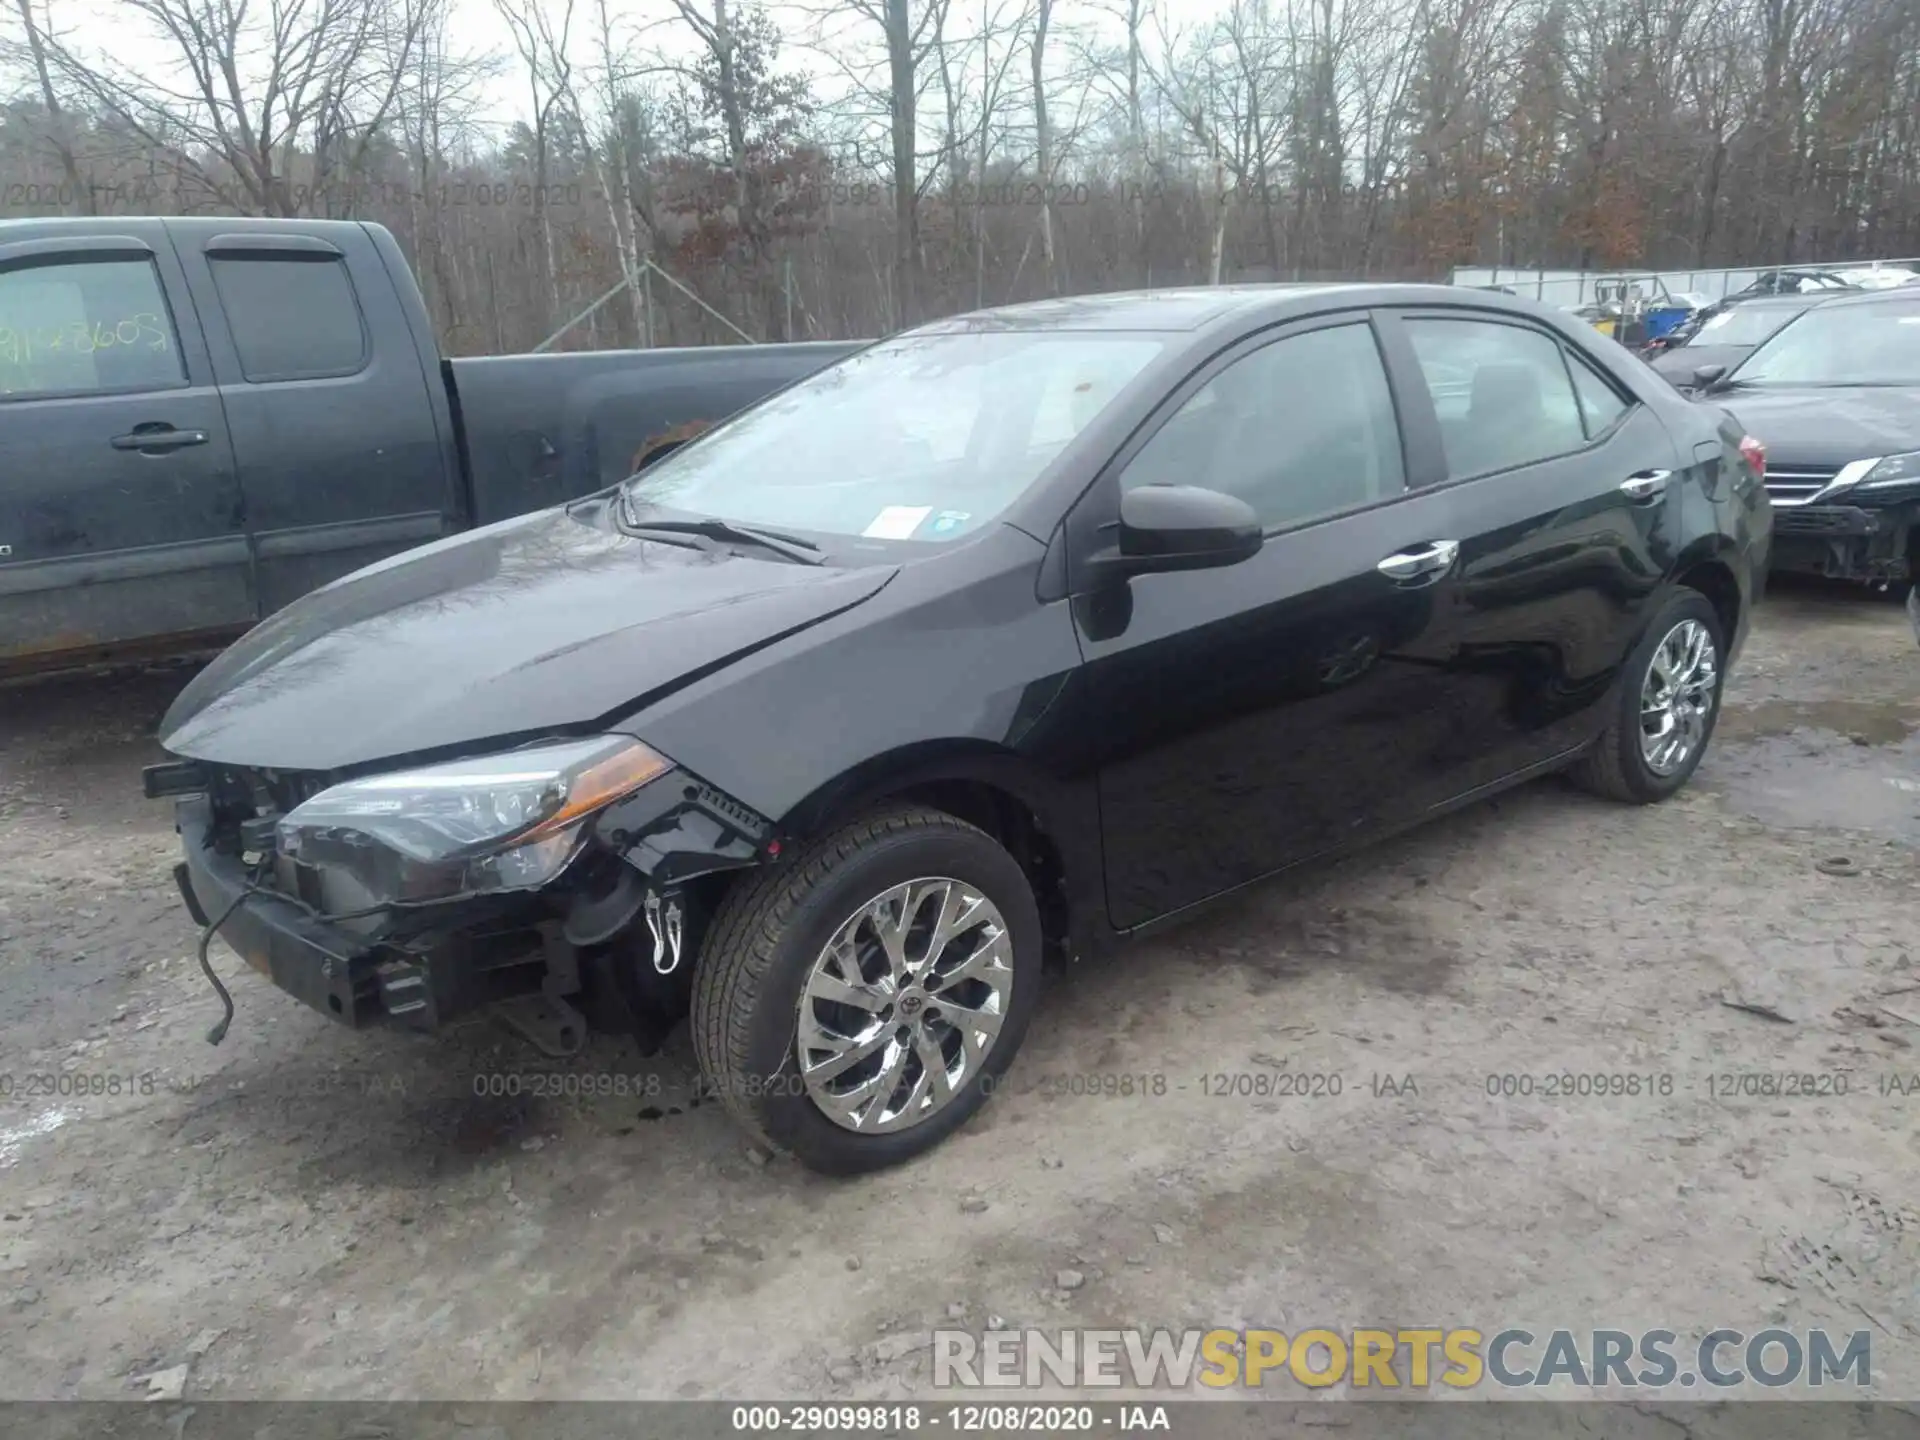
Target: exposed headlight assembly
x,y
1894,470
511,821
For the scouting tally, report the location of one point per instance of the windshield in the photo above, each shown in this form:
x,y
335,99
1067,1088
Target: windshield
x,y
1844,345
921,438
1741,325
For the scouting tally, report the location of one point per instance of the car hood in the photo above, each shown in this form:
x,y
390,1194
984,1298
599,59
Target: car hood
x,y
545,621
1827,425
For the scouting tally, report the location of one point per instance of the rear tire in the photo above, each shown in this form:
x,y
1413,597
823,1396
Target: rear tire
x,y
832,920
1627,763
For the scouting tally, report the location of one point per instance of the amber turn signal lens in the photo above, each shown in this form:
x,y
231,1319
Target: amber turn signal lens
x,y
600,784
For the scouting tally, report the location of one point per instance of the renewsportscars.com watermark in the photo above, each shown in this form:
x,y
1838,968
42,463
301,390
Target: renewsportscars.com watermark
x,y
1403,1359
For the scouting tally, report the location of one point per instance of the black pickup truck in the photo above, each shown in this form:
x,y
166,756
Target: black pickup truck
x,y
204,419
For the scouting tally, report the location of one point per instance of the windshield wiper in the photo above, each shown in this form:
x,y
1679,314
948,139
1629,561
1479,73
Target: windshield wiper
x,y
801,552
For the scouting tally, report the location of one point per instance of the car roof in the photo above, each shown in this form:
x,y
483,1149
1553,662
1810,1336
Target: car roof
x,y
1181,308
1189,309
1893,295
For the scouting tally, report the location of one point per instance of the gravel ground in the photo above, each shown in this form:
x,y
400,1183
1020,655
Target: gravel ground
x,y
303,1211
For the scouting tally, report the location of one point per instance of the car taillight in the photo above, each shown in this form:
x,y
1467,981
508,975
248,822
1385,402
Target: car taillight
x,y
1754,453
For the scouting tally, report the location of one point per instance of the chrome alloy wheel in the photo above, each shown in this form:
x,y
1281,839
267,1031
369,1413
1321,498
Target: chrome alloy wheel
x,y
1677,697
903,1004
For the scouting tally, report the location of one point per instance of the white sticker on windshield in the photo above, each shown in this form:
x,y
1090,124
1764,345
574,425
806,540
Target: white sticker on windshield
x,y
897,522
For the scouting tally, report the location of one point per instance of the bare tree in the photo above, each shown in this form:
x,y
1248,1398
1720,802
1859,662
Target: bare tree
x,y
1256,139
1119,72
58,136
435,112
907,32
1043,139
614,80
541,40
259,111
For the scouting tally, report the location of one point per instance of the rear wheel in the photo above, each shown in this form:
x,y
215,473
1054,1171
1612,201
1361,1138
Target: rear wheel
x,y
855,1004
1668,703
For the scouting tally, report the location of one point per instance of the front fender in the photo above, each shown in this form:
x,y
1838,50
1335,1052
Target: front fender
x,y
1066,811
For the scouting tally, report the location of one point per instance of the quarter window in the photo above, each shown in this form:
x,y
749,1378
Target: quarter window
x,y
1300,428
86,327
1600,403
291,319
1501,392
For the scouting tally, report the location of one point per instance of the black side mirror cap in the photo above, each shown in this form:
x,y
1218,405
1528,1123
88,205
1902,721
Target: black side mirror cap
x,y
1706,376
1184,527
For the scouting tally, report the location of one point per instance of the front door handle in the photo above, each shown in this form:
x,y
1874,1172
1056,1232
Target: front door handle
x,y
1434,559
156,439
1645,485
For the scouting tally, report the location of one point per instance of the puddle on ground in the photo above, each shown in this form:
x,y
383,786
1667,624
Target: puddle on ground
x,y
1860,770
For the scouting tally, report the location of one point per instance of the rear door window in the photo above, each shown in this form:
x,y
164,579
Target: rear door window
x,y
86,327
1501,392
291,318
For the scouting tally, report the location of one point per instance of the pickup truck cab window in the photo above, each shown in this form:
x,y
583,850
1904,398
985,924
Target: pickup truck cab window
x,y
85,327
293,317
1501,393
924,438
1298,429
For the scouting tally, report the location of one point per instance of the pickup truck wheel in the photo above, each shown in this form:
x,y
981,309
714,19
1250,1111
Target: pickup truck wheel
x,y
854,1004
1668,702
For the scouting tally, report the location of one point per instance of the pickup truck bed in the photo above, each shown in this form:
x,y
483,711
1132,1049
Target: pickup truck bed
x,y
203,419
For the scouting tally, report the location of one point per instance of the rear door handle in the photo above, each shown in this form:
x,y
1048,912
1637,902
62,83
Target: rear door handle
x,y
1434,559
1645,485
158,439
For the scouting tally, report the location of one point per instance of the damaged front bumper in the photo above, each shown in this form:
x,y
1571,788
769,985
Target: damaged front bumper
x,y
331,969
1843,542
610,938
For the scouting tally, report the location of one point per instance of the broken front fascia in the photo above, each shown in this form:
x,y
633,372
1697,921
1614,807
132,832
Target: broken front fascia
x,y
668,833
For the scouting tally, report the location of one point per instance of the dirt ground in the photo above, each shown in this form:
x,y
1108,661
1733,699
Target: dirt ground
x,y
303,1211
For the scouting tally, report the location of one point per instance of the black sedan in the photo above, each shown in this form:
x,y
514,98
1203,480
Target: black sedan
x,y
1016,634
1725,336
1835,399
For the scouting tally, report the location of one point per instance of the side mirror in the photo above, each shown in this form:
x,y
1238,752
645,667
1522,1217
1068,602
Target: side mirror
x,y
1704,377
1184,527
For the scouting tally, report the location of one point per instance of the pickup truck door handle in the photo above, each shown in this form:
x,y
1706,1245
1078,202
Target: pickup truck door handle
x,y
156,439
1420,562
1645,485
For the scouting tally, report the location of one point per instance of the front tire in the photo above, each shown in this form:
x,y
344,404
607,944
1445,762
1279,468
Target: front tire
x,y
855,1004
1668,702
